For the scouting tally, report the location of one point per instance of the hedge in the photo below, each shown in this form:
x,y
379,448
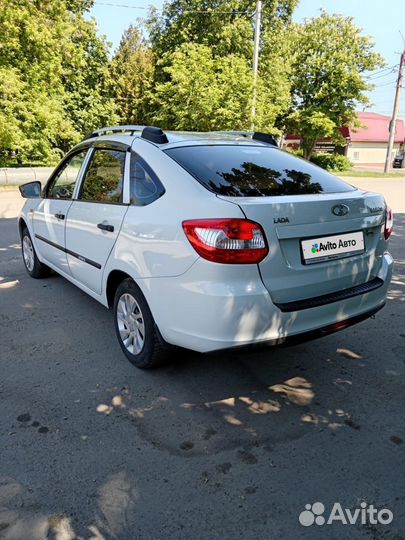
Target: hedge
x,y
331,162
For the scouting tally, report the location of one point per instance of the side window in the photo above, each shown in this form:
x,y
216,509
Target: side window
x,y
63,184
104,177
145,187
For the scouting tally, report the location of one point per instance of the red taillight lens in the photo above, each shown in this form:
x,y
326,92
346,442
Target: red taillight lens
x,y
228,241
389,222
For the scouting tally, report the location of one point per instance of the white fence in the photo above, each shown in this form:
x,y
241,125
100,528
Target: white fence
x,y
24,174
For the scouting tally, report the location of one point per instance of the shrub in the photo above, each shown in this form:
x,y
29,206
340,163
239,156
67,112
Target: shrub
x,y
298,153
331,162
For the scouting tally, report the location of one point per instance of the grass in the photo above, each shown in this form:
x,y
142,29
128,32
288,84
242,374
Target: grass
x,y
370,174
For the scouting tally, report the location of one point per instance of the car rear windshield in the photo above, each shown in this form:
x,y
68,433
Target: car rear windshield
x,y
254,171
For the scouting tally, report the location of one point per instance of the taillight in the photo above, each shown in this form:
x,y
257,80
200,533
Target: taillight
x,y
229,241
389,222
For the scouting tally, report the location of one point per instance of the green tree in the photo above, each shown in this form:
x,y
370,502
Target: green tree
x,y
11,90
203,77
224,26
188,98
87,82
132,70
54,78
330,60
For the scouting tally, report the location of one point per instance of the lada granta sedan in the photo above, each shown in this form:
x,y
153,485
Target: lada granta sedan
x,y
207,240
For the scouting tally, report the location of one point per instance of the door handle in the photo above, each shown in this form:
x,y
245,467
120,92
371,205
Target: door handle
x,y
104,227
60,216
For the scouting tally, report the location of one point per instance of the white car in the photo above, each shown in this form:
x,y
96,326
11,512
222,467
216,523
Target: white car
x,y
207,240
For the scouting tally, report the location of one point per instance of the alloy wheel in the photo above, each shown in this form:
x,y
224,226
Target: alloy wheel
x,y
28,253
130,323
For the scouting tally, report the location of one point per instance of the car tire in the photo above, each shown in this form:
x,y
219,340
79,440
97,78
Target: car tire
x,y
136,330
32,264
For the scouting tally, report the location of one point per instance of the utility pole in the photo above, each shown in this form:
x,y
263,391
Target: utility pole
x,y
393,122
258,16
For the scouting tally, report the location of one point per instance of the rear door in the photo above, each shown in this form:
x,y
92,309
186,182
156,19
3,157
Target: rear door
x,y
95,217
49,218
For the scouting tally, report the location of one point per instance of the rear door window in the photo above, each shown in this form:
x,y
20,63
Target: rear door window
x,y
254,171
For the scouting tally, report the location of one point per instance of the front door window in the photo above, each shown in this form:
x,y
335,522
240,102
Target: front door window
x,y
64,182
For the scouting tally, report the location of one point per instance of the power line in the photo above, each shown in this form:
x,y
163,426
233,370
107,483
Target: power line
x,y
381,76
205,11
380,103
385,84
120,5
384,69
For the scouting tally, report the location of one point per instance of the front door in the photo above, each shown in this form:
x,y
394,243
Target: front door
x,y
50,217
94,218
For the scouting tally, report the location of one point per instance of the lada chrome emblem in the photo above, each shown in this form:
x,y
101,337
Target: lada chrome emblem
x,y
340,210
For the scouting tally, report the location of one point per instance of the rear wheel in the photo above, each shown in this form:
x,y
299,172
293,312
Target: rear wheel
x,y
136,331
33,265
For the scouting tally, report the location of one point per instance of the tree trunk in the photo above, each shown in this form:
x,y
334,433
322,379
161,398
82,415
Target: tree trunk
x,y
308,147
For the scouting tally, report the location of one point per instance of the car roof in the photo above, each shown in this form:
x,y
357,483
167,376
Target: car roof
x,y
174,138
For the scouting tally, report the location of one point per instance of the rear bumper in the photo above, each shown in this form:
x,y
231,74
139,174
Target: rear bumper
x,y
304,337
331,298
201,311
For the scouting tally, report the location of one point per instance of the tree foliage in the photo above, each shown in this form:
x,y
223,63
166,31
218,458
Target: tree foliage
x,y
329,63
54,82
204,74
133,70
202,92
224,26
194,72
87,81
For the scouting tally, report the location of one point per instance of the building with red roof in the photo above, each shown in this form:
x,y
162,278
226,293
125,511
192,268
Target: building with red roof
x,y
365,145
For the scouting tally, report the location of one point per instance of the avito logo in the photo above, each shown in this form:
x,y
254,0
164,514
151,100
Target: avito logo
x,y
329,246
366,514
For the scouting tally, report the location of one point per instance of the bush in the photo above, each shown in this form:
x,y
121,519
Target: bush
x,y
331,162
298,153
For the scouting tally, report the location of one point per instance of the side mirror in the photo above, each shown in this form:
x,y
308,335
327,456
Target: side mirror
x,y
31,190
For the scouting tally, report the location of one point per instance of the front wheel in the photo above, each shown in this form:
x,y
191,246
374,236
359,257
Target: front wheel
x,y
32,264
136,331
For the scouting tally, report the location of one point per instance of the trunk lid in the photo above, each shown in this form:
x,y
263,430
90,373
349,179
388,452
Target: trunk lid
x,y
288,220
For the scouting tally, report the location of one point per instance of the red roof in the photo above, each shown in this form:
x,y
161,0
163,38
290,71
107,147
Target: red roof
x,y
376,129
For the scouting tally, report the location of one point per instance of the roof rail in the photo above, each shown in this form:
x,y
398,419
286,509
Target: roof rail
x,y
154,134
114,129
239,133
255,135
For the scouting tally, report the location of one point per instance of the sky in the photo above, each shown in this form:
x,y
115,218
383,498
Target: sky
x,y
382,20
